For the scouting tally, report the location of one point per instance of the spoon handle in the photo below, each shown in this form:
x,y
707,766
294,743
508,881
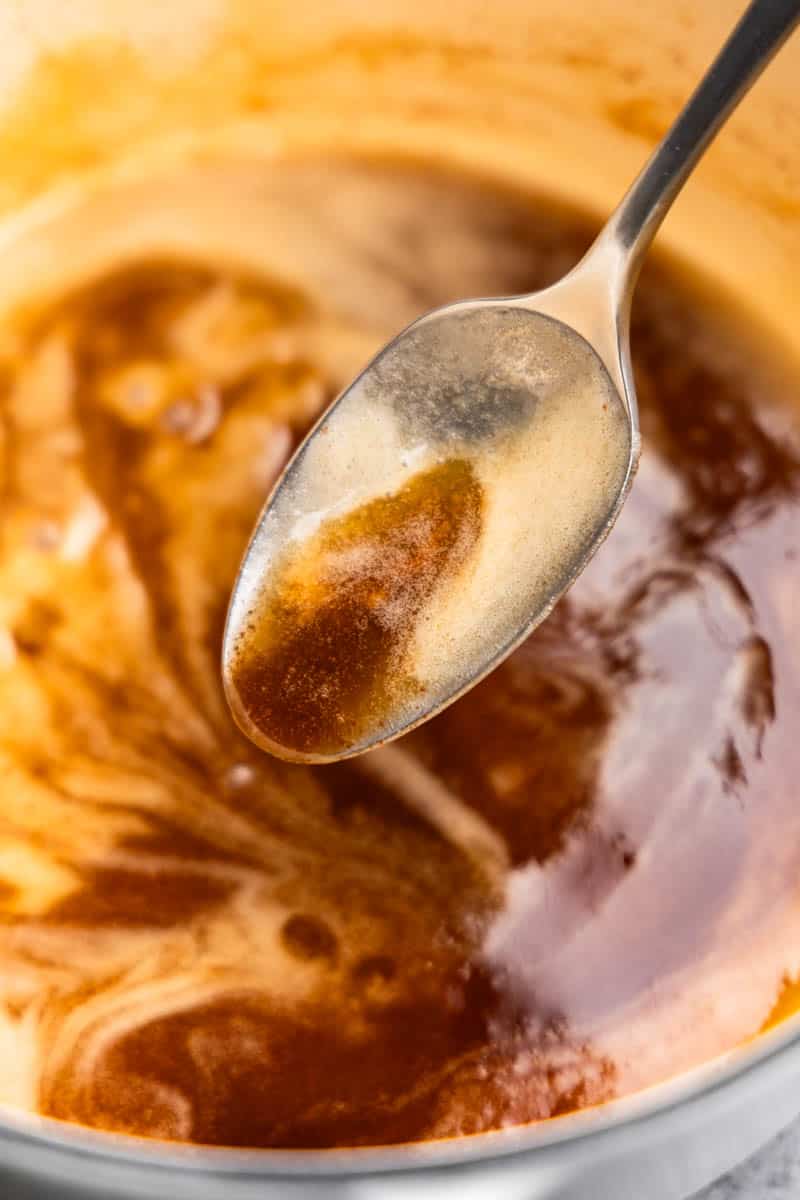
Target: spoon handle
x,y
762,30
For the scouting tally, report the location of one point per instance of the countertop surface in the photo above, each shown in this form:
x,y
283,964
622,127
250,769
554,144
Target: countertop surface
x,y
772,1174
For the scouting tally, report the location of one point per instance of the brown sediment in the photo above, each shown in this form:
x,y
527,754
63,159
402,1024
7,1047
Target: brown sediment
x,y
323,656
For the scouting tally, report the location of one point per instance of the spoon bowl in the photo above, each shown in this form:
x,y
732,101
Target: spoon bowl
x,y
547,430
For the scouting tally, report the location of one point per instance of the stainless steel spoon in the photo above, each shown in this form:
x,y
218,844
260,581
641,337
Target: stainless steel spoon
x,y
536,393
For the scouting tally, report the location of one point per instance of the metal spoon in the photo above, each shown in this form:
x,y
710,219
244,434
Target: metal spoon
x,y
536,395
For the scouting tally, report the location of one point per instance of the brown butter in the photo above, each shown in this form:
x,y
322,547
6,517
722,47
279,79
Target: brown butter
x,y
324,655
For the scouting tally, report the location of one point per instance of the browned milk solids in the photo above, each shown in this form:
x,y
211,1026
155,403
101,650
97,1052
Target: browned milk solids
x,y
323,657
198,942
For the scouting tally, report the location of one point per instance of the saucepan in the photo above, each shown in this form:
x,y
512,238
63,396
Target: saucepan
x,y
562,99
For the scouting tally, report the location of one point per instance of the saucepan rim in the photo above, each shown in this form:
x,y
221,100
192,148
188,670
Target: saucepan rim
x,y
775,1050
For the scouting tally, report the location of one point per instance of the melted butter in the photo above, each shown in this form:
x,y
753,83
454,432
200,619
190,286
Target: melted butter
x,y
579,880
786,1005
324,659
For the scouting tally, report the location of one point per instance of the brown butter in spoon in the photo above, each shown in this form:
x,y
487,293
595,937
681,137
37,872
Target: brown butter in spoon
x,y
326,650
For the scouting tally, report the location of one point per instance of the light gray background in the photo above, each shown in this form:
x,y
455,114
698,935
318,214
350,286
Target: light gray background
x,y
772,1174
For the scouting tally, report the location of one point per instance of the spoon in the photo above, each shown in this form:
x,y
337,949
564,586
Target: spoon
x,y
453,492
